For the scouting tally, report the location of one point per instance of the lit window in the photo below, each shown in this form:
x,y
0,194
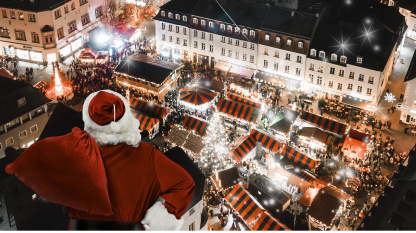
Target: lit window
x,y
162,13
184,18
222,27
195,20
211,24
177,17
359,60
289,42
334,57
229,28
313,52
267,37
252,33
203,22
343,59
300,44
170,15
321,54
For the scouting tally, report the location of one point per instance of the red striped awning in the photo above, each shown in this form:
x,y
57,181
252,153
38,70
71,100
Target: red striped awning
x,y
240,152
148,108
354,182
238,110
298,158
267,223
243,203
146,122
197,96
40,84
196,124
242,100
268,142
297,109
324,123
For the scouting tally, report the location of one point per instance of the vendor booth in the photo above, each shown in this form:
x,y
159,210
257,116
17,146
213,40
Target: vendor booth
x,y
191,142
242,113
243,149
86,56
240,99
267,141
282,123
266,222
324,123
314,139
295,157
101,58
197,98
226,179
354,148
196,124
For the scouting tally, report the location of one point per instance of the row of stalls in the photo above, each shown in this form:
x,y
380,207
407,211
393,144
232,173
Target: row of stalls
x,y
87,56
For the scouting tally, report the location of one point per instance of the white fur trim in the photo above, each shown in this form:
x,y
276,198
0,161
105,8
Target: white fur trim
x,y
158,218
128,133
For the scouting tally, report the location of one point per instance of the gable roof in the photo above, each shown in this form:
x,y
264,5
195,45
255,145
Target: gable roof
x,y
33,5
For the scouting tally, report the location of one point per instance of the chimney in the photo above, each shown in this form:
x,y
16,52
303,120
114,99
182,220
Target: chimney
x,y
292,13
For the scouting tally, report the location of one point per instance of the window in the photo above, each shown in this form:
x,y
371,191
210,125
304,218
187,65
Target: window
x,y
58,13
332,70
267,37
230,53
211,37
237,30
162,13
276,66
4,13
244,44
192,227
289,42
163,37
163,26
85,19
4,32
321,54
170,39
299,59
184,18
340,86
33,128
223,39
244,57
178,40
23,134
237,42
331,84
312,67
82,2
287,56
203,46
72,26
300,44
230,40
266,63
252,33
252,46
195,20
313,52
297,71
170,27
361,78
195,44
310,78
349,87
251,58
73,7
177,29
277,39
32,17
12,15
341,73
184,31
21,102
211,24
202,22
9,142
66,10
287,69
185,42
223,51
229,28
319,81
351,75
177,17
245,31
48,37
21,16
211,48
343,59
60,32
359,89
369,90
276,53
98,12
237,55
333,57
195,33
222,27
370,80
35,37
266,51
359,60
170,15
20,35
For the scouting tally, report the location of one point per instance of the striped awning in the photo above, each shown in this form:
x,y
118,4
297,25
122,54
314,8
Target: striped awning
x,y
267,223
324,123
146,122
268,142
353,182
243,203
296,109
148,108
238,110
298,158
40,84
242,100
197,96
240,151
196,124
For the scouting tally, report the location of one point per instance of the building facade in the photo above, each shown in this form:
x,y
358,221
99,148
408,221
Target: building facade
x,y
408,110
47,30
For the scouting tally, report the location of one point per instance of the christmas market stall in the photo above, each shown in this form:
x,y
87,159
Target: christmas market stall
x,y
188,140
353,182
329,125
326,205
356,144
267,141
290,154
149,114
86,56
197,124
240,99
226,179
266,222
244,114
197,98
243,149
314,139
282,123
101,58
148,75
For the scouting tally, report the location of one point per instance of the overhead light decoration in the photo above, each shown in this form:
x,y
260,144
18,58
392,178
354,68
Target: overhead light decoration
x,y
390,97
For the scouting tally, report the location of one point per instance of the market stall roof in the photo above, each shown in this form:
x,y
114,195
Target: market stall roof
x,y
146,122
86,55
354,182
185,139
228,178
284,121
307,197
238,110
148,108
266,222
197,96
278,80
355,147
101,56
360,136
356,102
197,124
324,123
298,158
267,141
232,68
147,68
326,204
244,204
194,143
239,152
178,135
243,100
314,133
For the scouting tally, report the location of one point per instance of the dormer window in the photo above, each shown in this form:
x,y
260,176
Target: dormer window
x,y
21,102
229,28
211,24
267,37
237,30
300,44
162,13
277,39
177,17
222,27
202,22
195,20
359,60
170,15
184,18
289,42
321,54
334,57
313,53
252,33
343,59
245,31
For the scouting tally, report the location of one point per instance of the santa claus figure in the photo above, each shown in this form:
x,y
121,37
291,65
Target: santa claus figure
x,y
104,172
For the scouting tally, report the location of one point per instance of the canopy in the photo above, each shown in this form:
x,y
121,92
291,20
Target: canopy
x,y
226,178
40,84
356,102
354,147
148,108
268,142
196,124
298,158
283,122
232,68
240,151
324,123
313,133
242,100
354,182
146,122
267,223
197,96
238,110
244,204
